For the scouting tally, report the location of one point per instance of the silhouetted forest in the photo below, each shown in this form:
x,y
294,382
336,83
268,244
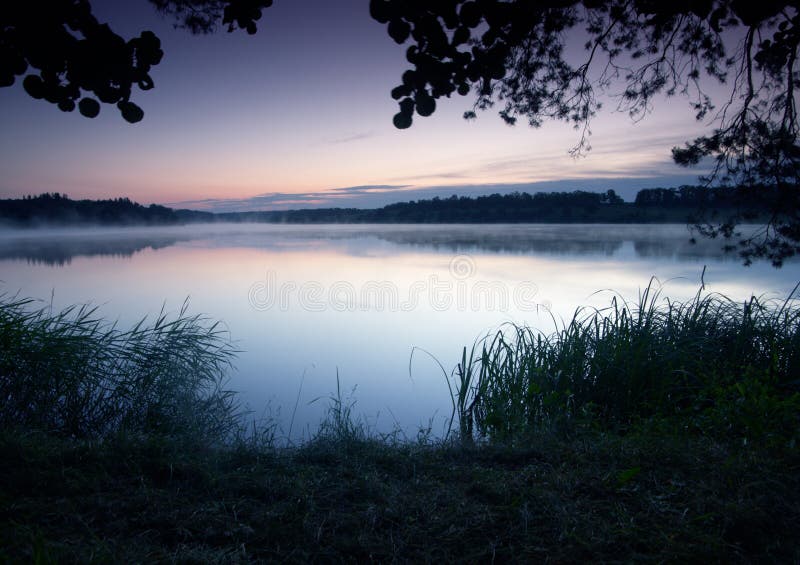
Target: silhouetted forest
x,y
657,205
654,205
55,209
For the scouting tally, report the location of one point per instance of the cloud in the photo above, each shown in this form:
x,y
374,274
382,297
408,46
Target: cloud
x,y
623,157
348,196
370,188
350,138
460,174
376,196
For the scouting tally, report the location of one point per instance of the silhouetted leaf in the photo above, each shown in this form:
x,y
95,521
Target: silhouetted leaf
x,y
461,35
380,10
131,112
470,14
399,30
407,106
89,107
426,105
402,120
400,91
34,86
66,105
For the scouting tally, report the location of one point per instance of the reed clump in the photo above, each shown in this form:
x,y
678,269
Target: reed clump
x,y
709,365
72,374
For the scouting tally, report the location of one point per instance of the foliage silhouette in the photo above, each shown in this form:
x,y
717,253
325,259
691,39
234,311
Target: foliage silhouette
x,y
73,60
515,53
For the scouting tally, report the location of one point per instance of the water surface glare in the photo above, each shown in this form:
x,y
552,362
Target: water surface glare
x,y
306,302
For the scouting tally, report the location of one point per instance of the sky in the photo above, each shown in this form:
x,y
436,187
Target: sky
x,y
299,115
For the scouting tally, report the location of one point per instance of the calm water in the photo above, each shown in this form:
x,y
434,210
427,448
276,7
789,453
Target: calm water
x,y
304,303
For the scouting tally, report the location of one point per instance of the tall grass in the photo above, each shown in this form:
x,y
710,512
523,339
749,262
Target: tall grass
x,y
711,364
715,363
339,425
72,374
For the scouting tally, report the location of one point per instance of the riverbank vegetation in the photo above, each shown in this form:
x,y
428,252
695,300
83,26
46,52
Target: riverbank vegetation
x,y
649,431
709,366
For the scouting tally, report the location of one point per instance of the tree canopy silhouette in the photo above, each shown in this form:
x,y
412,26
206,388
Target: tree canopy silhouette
x,y
514,54
73,60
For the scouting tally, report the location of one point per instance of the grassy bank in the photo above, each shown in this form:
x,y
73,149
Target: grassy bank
x,y
597,497
655,431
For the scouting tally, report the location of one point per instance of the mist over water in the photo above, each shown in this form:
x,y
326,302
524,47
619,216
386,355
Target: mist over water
x,y
306,302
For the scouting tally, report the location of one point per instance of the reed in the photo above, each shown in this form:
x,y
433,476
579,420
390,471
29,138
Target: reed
x,y
72,374
710,361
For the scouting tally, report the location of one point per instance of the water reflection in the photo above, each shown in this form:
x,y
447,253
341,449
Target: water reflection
x,y
58,248
312,317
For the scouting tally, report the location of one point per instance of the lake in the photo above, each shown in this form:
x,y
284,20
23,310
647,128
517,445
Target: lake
x,y
307,303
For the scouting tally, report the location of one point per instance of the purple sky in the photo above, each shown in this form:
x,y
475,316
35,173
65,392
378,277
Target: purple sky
x,y
300,115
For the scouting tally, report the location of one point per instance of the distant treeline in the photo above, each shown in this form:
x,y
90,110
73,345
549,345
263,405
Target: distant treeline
x,y
691,197
652,205
54,209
